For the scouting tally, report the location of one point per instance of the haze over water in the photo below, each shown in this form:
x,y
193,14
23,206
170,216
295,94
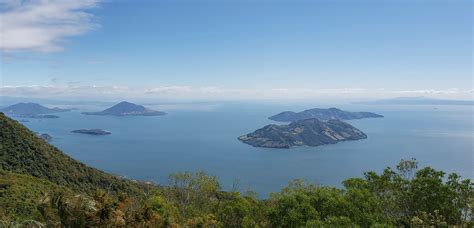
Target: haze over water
x,y
203,137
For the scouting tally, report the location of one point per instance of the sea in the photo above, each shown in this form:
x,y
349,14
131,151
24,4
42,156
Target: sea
x,y
203,137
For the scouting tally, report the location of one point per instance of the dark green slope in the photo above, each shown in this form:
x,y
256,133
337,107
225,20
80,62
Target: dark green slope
x,y
20,195
21,151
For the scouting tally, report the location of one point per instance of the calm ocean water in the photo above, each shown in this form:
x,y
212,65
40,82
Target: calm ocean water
x,y
203,137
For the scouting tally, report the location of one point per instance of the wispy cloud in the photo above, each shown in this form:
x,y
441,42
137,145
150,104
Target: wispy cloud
x,y
77,90
435,91
43,25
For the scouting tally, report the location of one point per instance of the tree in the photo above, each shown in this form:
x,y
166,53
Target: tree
x,y
364,208
194,194
292,207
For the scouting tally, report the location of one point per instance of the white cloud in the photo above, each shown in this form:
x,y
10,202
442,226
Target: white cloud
x,y
218,93
43,25
434,91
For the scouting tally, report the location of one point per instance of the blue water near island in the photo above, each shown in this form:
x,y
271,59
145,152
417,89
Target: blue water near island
x,y
205,139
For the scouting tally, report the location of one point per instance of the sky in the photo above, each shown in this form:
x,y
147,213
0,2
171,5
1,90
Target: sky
x,y
236,49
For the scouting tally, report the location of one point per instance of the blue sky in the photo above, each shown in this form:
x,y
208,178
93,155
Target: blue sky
x,y
232,49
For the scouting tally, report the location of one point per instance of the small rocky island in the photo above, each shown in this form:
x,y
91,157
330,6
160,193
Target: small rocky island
x,y
92,132
41,116
45,137
126,109
308,132
322,114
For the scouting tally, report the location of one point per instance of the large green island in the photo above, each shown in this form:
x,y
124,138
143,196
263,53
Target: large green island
x,y
308,132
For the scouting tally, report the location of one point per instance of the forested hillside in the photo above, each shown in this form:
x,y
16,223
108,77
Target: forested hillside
x,y
22,151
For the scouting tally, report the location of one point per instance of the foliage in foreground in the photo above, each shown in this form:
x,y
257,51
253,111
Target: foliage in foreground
x,y
403,196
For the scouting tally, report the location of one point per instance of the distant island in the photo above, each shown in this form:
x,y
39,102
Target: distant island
x,y
32,110
417,101
92,132
322,114
41,116
308,132
126,109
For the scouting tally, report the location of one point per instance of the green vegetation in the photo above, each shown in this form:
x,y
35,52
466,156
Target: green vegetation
x,y
402,198
393,198
39,185
19,194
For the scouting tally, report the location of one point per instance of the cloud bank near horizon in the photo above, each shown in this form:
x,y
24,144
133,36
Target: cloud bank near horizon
x,y
95,92
43,26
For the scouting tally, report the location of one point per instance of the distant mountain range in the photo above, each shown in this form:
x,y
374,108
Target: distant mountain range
x,y
309,132
127,109
32,110
322,114
418,101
